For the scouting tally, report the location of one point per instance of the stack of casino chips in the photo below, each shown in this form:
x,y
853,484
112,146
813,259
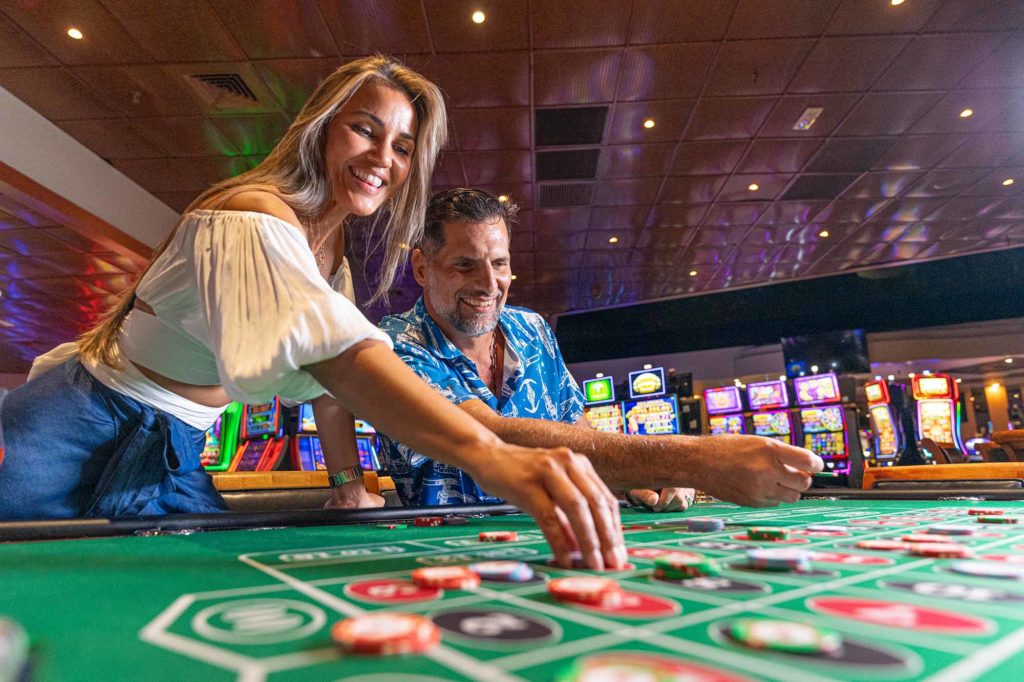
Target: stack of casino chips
x,y
446,577
773,534
786,636
683,565
586,589
386,633
779,559
503,571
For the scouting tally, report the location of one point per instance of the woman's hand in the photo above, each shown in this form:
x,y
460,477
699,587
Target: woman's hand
x,y
353,495
564,495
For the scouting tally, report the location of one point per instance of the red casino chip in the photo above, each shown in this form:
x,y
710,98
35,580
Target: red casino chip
x,y
941,550
928,537
586,590
884,545
431,521
383,633
499,536
446,577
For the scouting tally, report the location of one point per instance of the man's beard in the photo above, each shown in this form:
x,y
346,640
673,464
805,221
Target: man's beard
x,y
476,325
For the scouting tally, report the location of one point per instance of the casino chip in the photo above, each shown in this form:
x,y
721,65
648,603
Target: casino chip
x,y
430,521
767,533
392,526
986,512
786,636
823,528
927,537
779,559
941,550
592,590
13,649
503,571
499,536
700,524
455,521
446,577
997,519
682,565
989,569
386,633
885,545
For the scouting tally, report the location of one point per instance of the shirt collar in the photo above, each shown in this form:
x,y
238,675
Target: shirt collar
x,y
443,347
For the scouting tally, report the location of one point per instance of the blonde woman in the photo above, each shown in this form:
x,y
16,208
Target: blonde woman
x,y
241,302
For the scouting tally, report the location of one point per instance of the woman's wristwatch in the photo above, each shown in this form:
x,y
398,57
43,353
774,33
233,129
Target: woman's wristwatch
x,y
353,473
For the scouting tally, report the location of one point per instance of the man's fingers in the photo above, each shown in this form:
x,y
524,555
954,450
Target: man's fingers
x,y
794,479
799,458
555,527
604,509
575,502
648,498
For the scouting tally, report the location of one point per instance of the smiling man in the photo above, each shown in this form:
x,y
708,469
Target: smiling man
x,y
501,364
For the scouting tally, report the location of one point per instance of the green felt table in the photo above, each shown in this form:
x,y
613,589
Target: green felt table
x,y
259,604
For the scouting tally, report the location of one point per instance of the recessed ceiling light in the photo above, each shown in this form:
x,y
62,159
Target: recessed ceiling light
x,y
503,198
959,380
782,377
967,113
479,17
895,3
513,276
753,187
891,377
911,375
1007,182
648,366
648,123
613,240
75,33
994,386
1008,361
693,273
808,118
824,234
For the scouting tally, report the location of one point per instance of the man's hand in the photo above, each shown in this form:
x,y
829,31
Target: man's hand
x,y
753,471
666,500
564,495
353,495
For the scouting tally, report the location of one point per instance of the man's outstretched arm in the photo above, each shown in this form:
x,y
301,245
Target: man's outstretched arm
x,y
748,470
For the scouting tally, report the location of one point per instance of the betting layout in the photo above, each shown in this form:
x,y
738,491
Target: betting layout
x,y
820,590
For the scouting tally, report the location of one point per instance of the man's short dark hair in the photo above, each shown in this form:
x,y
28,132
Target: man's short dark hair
x,y
463,204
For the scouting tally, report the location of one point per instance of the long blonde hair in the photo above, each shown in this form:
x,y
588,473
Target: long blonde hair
x,y
296,171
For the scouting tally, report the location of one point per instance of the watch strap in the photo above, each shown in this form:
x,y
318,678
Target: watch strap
x,y
344,476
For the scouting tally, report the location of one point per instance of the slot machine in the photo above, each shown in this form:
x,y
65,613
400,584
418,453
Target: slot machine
x,y
725,410
825,422
366,446
221,439
600,407
886,430
651,417
770,418
304,447
938,416
262,440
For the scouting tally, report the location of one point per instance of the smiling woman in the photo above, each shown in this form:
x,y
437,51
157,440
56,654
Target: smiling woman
x,y
246,300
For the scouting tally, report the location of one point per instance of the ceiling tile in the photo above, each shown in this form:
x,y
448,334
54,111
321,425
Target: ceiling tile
x,y
488,168
846,64
665,71
741,213
935,62
944,183
140,90
669,21
53,92
105,40
882,185
756,67
199,34
915,152
986,151
452,29
483,129
889,113
630,218
778,156
630,192
787,18
789,109
769,186
692,189
1000,68
276,29
669,116
577,77
111,138
708,158
469,79
368,26
729,117
858,17
20,50
593,25
968,15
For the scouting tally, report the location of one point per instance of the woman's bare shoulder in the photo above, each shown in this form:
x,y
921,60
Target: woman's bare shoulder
x,y
258,201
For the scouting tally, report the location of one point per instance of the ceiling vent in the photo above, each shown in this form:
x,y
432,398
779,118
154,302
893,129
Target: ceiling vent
x,y
577,125
576,164
850,155
223,90
810,187
566,195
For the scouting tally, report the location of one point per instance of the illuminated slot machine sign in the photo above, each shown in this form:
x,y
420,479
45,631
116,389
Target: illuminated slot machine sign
x,y
366,446
652,417
883,425
823,425
938,410
719,402
600,408
262,438
221,439
769,399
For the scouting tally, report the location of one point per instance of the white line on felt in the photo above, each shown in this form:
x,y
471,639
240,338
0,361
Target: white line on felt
x,y
975,665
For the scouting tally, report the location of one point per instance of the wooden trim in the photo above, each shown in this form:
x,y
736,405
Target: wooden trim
x,y
974,471
273,480
72,216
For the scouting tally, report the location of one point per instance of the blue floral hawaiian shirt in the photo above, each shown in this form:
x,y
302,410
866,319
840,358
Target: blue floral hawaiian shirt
x,y
537,386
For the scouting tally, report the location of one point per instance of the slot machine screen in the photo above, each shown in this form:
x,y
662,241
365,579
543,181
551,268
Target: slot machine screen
x,y
935,418
211,453
607,418
817,389
933,387
260,420
312,451
726,423
647,383
652,417
307,424
725,399
876,393
596,391
766,395
772,424
823,431
367,453
881,417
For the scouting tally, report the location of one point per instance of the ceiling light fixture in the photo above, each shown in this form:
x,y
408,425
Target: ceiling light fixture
x,y
648,123
1007,182
75,33
967,113
895,3
503,198
1008,361
782,377
613,240
479,17
824,234
994,386
808,118
693,273
753,187
513,276
891,377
